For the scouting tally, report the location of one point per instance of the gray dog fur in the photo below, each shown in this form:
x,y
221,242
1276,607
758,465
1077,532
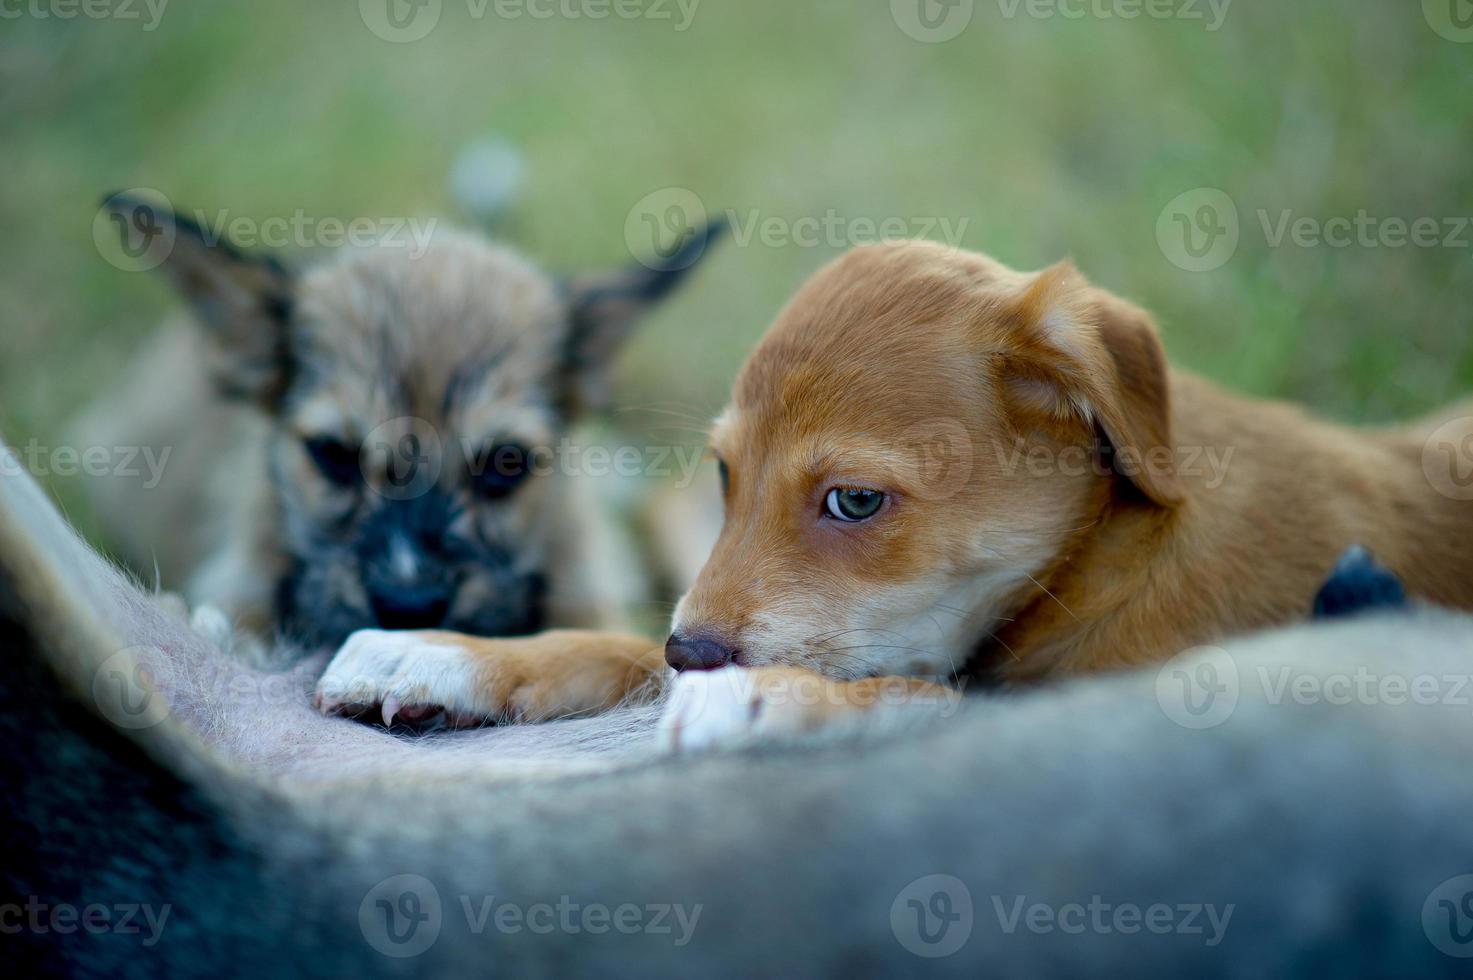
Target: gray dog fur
x,y
270,831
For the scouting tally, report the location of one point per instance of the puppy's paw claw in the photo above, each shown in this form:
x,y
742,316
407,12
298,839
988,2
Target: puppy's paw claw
x,y
402,676
391,708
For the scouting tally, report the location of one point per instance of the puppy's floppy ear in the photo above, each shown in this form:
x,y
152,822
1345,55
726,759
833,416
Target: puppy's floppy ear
x,y
1078,354
605,308
244,301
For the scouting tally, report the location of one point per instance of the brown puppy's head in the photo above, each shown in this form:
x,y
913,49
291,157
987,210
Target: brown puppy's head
x,y
911,445
413,397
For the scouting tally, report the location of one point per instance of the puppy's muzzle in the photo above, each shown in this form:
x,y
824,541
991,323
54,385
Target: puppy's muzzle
x,y
699,651
410,608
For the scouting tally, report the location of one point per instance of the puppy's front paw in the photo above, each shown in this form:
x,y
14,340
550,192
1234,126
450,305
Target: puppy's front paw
x,y
211,623
413,676
716,707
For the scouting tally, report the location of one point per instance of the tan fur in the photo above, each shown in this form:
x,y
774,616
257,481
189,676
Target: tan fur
x,y
566,672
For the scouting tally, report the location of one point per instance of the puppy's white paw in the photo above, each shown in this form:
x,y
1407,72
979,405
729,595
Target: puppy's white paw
x,y
171,604
211,623
708,708
403,675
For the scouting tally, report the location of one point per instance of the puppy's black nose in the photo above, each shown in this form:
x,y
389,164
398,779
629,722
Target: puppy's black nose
x,y
410,609
700,651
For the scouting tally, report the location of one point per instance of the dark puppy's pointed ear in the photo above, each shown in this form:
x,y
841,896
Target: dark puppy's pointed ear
x,y
244,301
607,306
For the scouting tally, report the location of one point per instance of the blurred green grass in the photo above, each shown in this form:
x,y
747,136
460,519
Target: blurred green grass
x,y
1049,137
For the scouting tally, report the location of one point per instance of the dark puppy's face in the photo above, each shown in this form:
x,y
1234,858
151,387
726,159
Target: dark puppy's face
x,y
416,398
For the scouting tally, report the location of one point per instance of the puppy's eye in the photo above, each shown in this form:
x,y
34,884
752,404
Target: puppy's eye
x,y
335,459
853,505
507,467
725,473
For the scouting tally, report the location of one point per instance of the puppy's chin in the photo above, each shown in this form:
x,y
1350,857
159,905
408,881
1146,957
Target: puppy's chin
x,y
498,602
527,621
323,628
321,607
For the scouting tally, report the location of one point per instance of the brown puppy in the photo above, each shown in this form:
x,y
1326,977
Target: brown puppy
x,y
1218,514
1088,508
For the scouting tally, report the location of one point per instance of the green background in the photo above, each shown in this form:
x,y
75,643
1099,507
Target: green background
x,y
1049,136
